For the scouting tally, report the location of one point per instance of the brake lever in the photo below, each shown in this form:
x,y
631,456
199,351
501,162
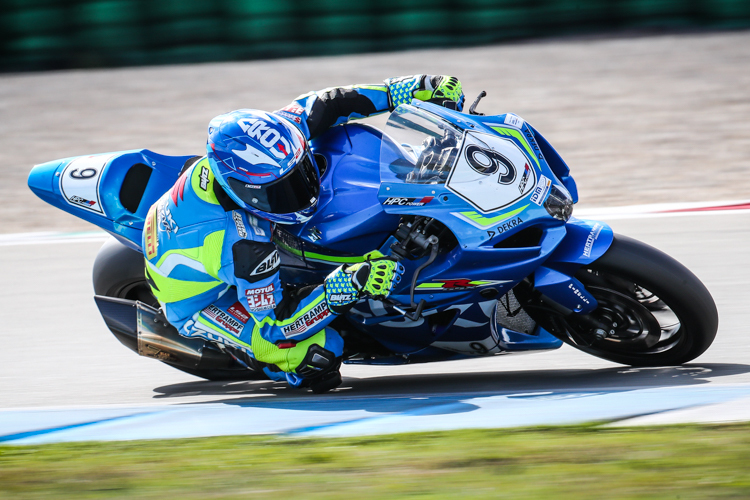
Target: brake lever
x,y
473,108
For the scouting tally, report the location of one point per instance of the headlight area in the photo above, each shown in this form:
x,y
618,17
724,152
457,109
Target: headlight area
x,y
559,203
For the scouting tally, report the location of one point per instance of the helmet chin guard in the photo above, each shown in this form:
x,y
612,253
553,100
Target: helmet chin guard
x,y
264,164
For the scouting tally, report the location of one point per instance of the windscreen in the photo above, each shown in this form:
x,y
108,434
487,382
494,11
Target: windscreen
x,y
419,147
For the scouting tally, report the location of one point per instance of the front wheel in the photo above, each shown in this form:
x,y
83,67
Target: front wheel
x,y
652,310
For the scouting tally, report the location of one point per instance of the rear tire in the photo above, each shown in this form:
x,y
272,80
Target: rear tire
x,y
658,312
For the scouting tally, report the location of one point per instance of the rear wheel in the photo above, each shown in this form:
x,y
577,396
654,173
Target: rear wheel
x,y
652,311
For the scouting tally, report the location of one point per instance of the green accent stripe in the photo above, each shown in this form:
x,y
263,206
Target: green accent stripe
x,y
342,260
430,285
488,221
287,247
521,139
331,258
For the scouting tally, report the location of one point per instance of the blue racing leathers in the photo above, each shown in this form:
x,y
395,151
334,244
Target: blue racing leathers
x,y
214,268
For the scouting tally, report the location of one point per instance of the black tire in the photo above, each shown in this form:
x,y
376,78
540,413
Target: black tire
x,y
664,315
119,272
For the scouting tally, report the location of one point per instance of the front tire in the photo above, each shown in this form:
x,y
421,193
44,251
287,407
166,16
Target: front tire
x,y
656,312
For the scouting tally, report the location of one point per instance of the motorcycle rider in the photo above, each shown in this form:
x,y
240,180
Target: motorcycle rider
x,y
210,259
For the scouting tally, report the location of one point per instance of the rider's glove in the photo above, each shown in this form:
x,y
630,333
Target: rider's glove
x,y
373,278
443,90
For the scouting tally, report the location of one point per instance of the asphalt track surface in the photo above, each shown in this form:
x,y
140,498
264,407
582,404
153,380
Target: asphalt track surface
x,y
641,120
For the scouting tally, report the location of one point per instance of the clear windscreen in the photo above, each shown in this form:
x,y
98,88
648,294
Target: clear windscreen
x,y
418,147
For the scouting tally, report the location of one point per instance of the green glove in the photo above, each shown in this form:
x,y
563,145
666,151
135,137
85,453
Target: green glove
x,y
373,278
443,90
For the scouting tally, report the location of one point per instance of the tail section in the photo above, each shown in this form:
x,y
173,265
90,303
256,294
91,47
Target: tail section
x,y
112,190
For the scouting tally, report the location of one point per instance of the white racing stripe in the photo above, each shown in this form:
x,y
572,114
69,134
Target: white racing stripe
x,y
52,237
606,213
664,210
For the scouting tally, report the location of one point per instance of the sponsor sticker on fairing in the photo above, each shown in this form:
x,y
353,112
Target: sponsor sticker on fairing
x,y
540,190
408,202
307,321
513,120
591,238
224,320
261,299
79,182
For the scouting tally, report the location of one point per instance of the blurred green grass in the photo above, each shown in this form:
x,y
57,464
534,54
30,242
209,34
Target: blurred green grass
x,y
580,462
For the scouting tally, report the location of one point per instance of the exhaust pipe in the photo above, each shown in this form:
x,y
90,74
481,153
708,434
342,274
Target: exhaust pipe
x,y
145,331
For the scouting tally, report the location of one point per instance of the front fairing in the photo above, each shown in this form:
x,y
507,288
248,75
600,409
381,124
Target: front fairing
x,y
494,208
482,208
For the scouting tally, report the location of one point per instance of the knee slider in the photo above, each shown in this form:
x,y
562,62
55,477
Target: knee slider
x,y
317,362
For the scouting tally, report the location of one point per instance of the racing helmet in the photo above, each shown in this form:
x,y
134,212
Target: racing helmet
x,y
264,164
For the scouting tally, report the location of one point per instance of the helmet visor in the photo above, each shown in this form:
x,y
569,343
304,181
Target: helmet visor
x,y
297,190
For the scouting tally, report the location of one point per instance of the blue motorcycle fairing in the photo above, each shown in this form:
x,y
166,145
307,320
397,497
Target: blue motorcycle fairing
x,y
93,188
556,163
585,242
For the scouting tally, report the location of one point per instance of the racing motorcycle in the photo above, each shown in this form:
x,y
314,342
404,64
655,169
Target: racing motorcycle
x,y
477,208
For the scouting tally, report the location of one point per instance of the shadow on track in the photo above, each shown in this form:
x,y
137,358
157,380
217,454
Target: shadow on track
x,y
456,384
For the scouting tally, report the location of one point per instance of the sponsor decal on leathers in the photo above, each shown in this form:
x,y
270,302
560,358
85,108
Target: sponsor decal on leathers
x,y
224,320
237,218
152,236
261,299
238,311
269,264
204,178
307,321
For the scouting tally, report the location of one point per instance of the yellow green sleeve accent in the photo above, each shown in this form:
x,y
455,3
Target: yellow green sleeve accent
x,y
203,169
286,359
211,253
172,290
